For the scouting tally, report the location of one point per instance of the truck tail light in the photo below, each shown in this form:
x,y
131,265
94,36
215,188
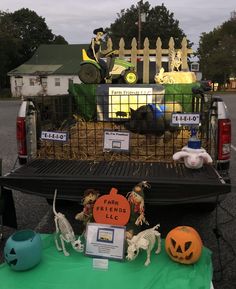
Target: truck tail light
x,y
224,139
21,136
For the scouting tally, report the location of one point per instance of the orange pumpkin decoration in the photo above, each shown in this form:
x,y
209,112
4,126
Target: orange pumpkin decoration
x,y
112,209
184,245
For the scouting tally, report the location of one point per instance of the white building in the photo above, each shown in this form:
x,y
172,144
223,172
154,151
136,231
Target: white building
x,y
48,71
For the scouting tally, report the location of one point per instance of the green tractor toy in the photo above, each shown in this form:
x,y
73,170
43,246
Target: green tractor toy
x,y
120,70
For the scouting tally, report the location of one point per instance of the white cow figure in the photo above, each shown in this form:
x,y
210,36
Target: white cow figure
x,y
144,240
193,158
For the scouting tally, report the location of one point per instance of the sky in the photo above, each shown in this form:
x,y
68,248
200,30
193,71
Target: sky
x,y
76,20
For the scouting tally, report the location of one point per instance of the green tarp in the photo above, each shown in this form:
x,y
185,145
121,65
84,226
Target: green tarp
x,y
75,271
181,93
85,99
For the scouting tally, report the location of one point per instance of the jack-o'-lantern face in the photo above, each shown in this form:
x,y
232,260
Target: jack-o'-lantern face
x,y
183,244
11,257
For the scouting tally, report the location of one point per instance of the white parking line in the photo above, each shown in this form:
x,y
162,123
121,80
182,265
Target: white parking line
x,y
233,147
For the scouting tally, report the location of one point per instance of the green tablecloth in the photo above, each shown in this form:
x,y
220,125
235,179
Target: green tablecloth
x,y
75,272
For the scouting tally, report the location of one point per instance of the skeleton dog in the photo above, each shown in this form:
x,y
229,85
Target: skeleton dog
x,y
144,240
65,232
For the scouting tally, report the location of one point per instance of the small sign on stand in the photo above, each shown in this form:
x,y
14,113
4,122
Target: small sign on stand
x,y
104,241
116,141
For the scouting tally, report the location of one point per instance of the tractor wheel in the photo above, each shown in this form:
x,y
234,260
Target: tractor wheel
x,y
89,74
130,77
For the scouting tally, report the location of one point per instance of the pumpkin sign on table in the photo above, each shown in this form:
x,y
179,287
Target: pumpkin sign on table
x,y
112,209
184,245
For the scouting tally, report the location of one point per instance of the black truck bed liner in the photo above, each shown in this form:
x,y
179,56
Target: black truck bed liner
x,y
170,183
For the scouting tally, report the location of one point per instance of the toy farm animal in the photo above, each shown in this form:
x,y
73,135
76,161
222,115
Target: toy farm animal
x,y
175,59
193,158
65,232
153,118
144,240
144,120
163,77
88,201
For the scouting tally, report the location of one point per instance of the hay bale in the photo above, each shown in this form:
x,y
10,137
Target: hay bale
x,y
86,143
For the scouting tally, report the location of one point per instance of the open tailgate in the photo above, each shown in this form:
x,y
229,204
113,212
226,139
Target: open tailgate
x,y
170,183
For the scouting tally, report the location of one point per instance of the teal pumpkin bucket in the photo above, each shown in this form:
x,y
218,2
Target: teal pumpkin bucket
x,y
23,250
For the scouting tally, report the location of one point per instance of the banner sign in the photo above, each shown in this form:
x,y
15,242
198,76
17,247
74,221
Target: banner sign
x,y
114,101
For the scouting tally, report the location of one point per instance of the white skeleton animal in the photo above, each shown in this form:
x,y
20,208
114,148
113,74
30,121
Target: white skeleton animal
x,y
65,232
144,240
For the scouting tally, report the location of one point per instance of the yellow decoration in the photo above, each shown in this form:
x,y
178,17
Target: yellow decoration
x,y
85,56
175,59
175,77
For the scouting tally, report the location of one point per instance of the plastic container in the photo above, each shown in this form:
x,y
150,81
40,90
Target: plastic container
x,y
23,250
194,142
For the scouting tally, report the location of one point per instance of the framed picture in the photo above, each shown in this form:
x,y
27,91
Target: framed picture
x,y
105,241
116,141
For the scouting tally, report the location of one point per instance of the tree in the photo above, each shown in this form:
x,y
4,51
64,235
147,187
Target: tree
x,y
9,48
159,23
21,32
32,30
58,39
217,52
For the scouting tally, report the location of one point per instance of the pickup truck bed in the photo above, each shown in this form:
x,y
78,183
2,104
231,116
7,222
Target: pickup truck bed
x,y
170,183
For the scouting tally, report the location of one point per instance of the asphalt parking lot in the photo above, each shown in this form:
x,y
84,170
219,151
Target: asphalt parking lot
x,y
217,228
